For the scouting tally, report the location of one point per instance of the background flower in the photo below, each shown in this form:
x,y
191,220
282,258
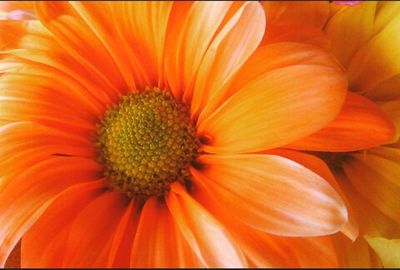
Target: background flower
x,y
364,39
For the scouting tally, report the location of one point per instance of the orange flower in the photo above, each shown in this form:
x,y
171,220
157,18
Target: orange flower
x,y
137,134
365,40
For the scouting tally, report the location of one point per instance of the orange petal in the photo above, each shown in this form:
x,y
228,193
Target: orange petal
x,y
350,229
352,254
261,114
158,243
375,175
392,109
10,33
301,33
360,125
190,32
265,250
142,28
92,230
306,205
313,13
35,188
205,235
122,240
43,245
85,47
280,55
231,47
315,252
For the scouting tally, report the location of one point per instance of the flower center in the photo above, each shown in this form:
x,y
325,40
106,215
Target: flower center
x,y
146,142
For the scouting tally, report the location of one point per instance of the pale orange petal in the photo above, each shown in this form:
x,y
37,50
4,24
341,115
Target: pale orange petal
x,y
42,245
191,29
281,196
209,240
265,250
261,115
280,55
360,125
350,229
158,243
230,48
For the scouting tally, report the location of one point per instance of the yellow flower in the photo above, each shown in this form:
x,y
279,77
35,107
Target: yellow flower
x,y
365,40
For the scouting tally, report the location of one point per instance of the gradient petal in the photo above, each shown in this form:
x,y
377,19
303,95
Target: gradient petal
x,y
387,249
281,197
42,244
375,175
208,239
360,125
260,115
158,243
231,47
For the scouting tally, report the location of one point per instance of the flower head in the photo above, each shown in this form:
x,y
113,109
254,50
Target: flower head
x,y
143,134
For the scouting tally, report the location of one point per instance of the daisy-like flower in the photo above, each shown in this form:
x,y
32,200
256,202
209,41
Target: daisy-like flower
x,y
365,40
143,134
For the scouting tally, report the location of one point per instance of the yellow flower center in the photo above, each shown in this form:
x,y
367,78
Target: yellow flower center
x,y
146,142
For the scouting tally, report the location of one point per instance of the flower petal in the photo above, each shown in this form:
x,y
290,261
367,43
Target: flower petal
x,y
350,229
281,197
36,188
360,125
265,250
392,109
190,31
278,55
350,28
142,29
122,240
92,229
301,33
42,245
387,249
62,20
205,235
158,243
313,13
260,115
231,47
375,175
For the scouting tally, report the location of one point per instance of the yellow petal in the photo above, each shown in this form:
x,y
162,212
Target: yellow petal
x,y
375,175
388,250
350,28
